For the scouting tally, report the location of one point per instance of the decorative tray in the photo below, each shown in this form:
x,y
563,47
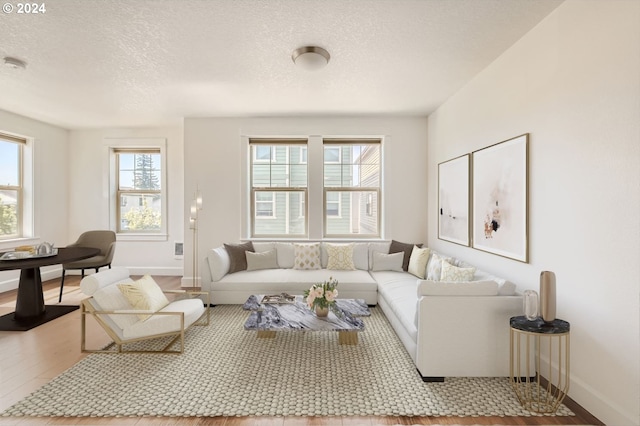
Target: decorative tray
x,y
21,255
278,298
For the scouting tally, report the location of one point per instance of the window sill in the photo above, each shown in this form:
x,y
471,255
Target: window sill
x,y
16,242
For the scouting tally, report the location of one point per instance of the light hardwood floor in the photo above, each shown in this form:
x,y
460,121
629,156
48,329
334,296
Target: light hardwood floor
x,y
31,358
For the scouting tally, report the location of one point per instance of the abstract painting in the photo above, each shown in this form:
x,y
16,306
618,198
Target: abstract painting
x,y
499,200
453,200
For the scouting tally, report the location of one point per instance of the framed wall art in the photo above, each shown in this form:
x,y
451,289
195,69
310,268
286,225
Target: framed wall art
x,y
500,198
453,200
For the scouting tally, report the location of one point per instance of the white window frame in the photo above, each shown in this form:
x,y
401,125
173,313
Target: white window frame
x,y
306,155
110,147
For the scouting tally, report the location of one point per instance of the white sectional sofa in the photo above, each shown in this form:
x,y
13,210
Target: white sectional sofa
x,y
449,329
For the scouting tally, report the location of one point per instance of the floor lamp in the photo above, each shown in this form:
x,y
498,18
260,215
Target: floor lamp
x,y
196,206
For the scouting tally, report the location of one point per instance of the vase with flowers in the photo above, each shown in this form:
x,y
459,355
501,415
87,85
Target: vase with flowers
x,y
320,297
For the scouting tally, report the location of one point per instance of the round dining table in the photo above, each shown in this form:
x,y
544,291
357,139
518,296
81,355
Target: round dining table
x,y
31,310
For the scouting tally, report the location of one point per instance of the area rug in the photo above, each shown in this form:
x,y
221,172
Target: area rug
x,y
227,371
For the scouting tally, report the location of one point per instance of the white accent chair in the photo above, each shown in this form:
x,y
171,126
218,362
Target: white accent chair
x,y
109,308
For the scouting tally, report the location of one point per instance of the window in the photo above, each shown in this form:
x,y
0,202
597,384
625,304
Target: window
x,y
264,154
11,186
278,187
352,176
265,202
333,204
139,190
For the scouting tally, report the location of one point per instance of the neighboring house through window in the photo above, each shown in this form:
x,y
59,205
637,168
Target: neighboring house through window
x,y
278,179
352,182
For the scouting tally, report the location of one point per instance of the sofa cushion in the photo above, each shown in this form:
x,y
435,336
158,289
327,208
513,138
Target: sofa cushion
x,y
399,291
418,261
453,273
293,280
340,257
219,263
469,288
144,294
237,257
505,287
387,262
264,260
307,256
406,248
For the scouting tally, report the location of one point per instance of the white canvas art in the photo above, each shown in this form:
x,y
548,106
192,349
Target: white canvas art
x,y
500,198
453,200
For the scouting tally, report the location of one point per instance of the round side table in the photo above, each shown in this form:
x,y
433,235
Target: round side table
x,y
550,340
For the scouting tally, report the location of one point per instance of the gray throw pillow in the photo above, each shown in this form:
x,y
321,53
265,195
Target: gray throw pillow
x,y
397,246
237,256
265,260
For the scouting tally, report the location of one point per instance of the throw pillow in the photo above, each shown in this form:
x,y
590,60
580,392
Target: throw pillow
x,y
434,266
144,294
453,273
397,247
387,262
264,260
340,257
418,261
307,256
237,258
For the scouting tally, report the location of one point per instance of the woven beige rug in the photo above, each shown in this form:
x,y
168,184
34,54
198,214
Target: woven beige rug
x,y
227,371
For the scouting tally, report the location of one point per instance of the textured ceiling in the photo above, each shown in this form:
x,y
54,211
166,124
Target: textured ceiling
x,y
130,63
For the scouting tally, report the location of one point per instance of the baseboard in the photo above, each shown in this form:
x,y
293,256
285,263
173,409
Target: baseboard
x,y
188,282
54,272
594,402
46,273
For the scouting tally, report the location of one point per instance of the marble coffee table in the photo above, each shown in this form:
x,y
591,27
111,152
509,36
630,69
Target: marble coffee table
x,y
268,318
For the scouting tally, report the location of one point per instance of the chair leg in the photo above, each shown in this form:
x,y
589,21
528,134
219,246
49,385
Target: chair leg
x,y
82,274
61,286
97,269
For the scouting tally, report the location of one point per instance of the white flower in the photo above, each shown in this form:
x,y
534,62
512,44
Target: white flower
x,y
310,298
331,295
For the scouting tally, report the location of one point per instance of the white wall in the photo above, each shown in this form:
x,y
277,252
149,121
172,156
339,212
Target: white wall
x,y
213,162
89,204
50,174
573,83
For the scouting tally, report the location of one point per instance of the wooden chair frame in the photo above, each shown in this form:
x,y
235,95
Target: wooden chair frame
x,y
87,309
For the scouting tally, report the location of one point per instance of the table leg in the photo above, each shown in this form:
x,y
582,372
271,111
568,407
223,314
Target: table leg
x,y
347,337
30,301
266,334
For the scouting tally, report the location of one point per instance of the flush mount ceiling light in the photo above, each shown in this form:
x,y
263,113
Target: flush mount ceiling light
x,y
311,58
14,63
